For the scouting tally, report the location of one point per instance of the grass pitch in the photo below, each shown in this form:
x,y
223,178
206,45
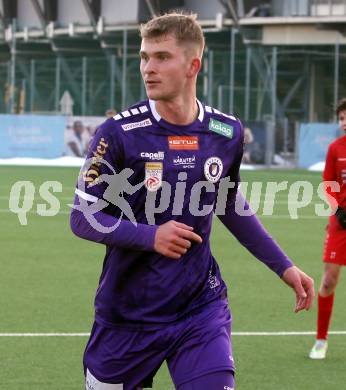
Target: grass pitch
x,y
48,280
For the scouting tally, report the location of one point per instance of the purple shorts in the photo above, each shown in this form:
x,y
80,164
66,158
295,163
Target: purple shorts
x,y
198,345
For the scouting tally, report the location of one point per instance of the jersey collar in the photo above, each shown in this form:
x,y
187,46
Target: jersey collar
x,y
158,117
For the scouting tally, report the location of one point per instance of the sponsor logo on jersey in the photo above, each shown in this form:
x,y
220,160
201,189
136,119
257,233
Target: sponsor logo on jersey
x,y
134,125
93,171
221,128
153,156
213,169
185,162
213,281
153,175
183,143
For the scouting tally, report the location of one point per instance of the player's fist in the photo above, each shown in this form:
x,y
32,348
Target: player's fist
x,y
173,239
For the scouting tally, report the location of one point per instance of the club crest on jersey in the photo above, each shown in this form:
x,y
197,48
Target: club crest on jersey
x,y
213,168
153,175
183,143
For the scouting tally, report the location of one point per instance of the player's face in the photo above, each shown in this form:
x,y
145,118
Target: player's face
x,y
164,67
342,120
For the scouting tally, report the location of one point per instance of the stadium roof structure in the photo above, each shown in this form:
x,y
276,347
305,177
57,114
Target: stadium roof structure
x,y
263,60
94,25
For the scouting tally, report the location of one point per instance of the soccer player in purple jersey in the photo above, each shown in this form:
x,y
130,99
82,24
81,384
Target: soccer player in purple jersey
x,y
168,161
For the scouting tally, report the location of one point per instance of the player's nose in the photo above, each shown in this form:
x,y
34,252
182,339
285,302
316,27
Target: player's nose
x,y
149,67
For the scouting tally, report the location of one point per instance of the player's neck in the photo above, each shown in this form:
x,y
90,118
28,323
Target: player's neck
x,y
178,112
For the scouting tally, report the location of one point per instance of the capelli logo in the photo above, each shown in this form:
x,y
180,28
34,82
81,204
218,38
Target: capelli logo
x,y
153,156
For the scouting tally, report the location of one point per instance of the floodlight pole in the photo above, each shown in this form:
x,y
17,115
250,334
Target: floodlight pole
x,y
13,68
57,82
112,81
233,31
274,81
210,77
32,85
84,84
124,70
247,83
336,71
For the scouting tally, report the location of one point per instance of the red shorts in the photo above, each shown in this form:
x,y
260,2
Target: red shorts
x,y
335,243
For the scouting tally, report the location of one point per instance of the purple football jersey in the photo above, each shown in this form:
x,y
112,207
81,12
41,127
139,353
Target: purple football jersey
x,y
171,172
144,286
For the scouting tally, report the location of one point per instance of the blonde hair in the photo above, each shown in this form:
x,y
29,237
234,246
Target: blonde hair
x,y
184,27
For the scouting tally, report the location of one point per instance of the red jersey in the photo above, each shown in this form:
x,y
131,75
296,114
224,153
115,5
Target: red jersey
x,y
335,169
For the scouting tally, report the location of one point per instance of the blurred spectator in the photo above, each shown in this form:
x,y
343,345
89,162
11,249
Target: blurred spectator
x,y
76,140
248,139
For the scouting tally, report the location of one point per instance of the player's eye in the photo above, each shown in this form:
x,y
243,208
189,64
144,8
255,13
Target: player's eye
x,y
162,57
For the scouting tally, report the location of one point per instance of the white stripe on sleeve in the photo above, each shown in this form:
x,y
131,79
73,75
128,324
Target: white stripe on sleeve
x,y
85,196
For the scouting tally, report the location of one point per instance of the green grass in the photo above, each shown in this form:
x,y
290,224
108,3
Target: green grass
x,y
48,279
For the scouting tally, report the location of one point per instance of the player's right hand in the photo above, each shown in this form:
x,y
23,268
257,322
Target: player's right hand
x,y
303,286
173,239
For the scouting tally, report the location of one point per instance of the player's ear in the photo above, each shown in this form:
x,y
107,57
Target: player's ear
x,y
195,66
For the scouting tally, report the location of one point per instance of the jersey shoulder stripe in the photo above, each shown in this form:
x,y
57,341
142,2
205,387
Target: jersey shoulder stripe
x,y
134,117
133,111
212,110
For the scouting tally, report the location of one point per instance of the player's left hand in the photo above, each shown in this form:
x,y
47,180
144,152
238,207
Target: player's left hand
x,y
303,286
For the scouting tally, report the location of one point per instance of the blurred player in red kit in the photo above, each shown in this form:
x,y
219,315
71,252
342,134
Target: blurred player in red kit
x,y
335,244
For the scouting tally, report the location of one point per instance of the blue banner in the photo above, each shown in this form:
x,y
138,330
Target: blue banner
x,y
314,139
38,136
